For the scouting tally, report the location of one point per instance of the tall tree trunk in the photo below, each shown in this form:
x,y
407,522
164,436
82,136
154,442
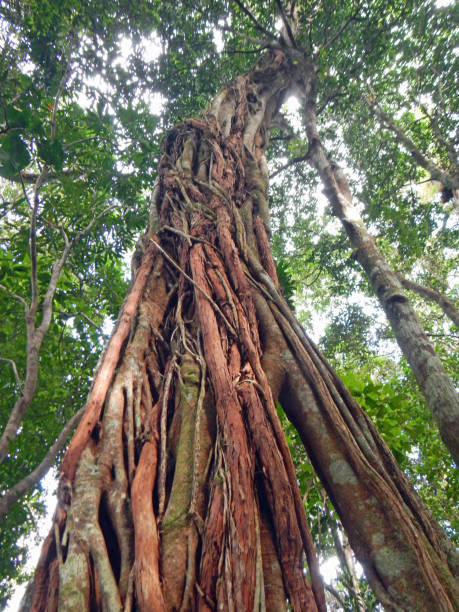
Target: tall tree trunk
x,y
178,490
437,387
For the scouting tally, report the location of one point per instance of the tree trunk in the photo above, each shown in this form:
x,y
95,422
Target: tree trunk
x,y
178,490
346,559
437,387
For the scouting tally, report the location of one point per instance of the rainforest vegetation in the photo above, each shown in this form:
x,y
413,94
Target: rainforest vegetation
x,y
272,383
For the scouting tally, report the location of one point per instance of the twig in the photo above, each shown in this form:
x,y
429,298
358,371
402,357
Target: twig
x,y
338,33
21,180
69,315
293,161
36,201
35,335
15,296
33,242
335,594
60,90
446,178
15,370
436,130
31,177
21,487
74,142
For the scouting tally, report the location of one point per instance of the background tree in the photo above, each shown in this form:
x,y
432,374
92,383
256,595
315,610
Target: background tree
x,y
70,209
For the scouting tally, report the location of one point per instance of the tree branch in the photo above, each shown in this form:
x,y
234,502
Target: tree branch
x,y
446,178
287,26
338,33
15,370
30,178
20,488
293,161
254,20
335,594
15,296
60,90
33,243
35,338
69,315
427,367
445,303
448,146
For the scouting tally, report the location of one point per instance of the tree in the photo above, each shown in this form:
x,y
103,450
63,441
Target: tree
x,y
176,251
181,429
67,207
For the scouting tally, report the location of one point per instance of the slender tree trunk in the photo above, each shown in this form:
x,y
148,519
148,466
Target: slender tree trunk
x,y
449,178
178,490
346,560
428,370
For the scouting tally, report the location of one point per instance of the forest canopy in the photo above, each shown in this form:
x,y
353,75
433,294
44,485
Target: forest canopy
x,y
90,92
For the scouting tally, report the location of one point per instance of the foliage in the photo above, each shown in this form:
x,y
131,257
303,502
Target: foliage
x,y
56,124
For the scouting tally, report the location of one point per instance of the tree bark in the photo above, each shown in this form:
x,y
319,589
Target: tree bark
x,y
179,492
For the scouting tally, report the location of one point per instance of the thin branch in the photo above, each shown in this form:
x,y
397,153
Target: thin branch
x,y
258,50
287,26
335,594
293,161
20,179
69,315
30,178
36,200
338,33
445,303
33,242
332,96
411,183
35,338
57,269
90,225
24,485
15,296
254,20
60,90
436,130
446,178
80,140
15,370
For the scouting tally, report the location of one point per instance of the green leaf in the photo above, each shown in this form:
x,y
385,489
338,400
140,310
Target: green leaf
x,y
14,155
17,117
52,152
